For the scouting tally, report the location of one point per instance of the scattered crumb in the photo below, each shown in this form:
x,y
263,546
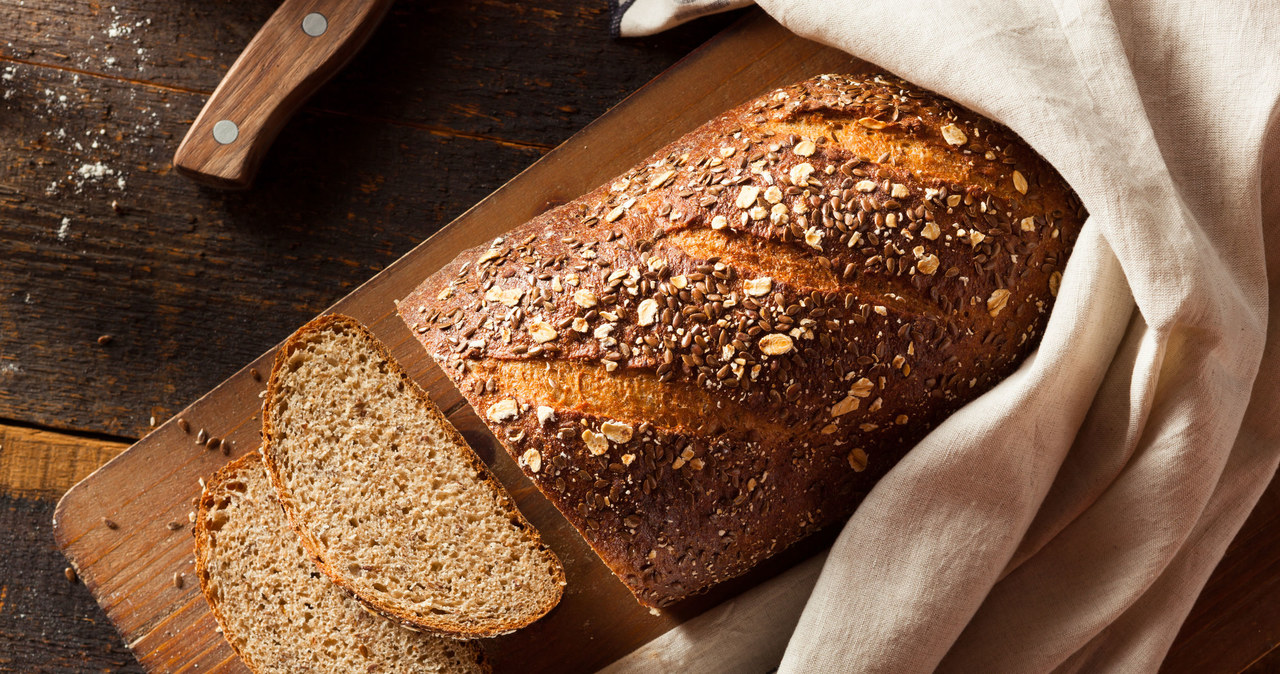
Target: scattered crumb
x,y
125,32
99,159
64,229
6,75
94,171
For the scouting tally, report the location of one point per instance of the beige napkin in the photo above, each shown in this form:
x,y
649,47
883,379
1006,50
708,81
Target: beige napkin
x,y
1066,520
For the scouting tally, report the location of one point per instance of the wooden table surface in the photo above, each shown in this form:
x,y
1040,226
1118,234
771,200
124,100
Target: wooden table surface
x,y
110,263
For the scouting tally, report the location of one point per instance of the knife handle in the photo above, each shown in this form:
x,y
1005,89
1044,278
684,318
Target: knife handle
x,y
300,47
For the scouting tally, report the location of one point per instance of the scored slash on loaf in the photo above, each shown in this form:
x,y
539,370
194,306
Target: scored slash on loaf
x,y
720,351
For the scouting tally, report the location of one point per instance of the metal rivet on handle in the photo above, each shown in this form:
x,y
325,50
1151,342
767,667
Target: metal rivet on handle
x,y
226,132
314,24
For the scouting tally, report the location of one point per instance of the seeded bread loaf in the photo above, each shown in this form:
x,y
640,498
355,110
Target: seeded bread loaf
x,y
387,496
277,611
719,352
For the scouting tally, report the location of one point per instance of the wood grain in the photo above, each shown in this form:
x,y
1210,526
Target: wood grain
x,y
46,622
202,281
518,72
192,301
282,66
598,620
194,280
1235,624
36,463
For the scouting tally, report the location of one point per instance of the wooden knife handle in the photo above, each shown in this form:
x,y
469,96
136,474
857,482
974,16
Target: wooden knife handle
x,y
301,46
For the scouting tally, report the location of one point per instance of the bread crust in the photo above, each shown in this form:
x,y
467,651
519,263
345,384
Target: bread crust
x,y
777,306
202,535
425,623
200,531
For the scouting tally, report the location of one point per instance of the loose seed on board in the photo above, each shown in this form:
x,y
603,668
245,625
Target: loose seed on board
x,y
70,573
104,340
182,423
177,579
201,437
253,372
110,524
174,526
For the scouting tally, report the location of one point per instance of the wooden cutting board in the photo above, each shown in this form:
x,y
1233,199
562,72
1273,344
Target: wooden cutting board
x,y
130,566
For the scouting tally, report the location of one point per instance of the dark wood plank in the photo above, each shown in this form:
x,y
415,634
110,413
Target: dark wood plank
x,y
598,620
528,73
1268,663
205,281
1236,620
40,464
46,622
199,280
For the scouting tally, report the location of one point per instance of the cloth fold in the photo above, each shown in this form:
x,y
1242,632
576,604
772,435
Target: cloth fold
x,y
1067,520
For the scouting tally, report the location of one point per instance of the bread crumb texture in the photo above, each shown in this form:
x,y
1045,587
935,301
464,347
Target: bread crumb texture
x,y
390,498
278,611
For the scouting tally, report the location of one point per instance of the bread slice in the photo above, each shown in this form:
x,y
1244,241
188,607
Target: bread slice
x,y
388,497
277,611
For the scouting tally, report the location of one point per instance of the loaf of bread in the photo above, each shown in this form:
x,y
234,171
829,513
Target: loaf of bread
x,y
720,351
277,611
388,498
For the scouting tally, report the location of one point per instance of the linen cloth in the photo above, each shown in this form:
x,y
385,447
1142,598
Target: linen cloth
x,y
1066,520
